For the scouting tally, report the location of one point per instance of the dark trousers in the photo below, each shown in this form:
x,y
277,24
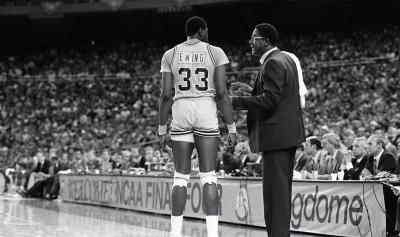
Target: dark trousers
x,y
397,226
277,190
390,203
48,186
36,190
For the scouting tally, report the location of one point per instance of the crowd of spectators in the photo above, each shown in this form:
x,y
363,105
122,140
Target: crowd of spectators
x,y
102,100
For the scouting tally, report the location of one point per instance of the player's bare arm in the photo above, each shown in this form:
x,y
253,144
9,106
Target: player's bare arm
x,y
223,101
165,106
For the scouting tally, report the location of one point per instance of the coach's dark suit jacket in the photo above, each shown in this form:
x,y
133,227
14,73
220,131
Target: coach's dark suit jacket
x,y
355,172
43,167
387,162
274,118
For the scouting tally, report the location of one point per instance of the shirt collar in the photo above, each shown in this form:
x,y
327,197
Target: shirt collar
x,y
378,157
244,158
316,157
334,154
265,55
192,41
360,159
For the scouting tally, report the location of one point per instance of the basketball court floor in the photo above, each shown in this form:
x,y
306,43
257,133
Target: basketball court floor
x,y
41,218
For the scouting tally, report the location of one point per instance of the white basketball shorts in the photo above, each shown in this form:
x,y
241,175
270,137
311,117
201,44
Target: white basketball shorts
x,y
194,116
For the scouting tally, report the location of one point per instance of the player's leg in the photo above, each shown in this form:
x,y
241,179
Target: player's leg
x,y
182,151
182,148
207,148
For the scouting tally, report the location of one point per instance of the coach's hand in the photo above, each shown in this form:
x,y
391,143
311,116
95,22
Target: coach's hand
x,y
241,88
232,140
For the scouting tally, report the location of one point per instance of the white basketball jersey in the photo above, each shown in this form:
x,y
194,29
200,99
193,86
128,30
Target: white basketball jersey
x,y
192,65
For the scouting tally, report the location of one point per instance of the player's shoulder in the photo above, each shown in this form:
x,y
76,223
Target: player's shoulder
x,y
214,48
170,51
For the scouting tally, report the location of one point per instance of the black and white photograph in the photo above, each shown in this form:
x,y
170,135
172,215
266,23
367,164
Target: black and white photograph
x,y
199,118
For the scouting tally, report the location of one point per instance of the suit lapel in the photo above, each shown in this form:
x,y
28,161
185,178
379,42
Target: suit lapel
x,y
380,161
258,84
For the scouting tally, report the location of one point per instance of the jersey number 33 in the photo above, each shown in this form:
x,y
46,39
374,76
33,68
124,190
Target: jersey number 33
x,y
186,73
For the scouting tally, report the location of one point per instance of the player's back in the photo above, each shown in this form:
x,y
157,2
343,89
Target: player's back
x,y
192,65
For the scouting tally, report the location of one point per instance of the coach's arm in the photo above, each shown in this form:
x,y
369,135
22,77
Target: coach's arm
x,y
273,76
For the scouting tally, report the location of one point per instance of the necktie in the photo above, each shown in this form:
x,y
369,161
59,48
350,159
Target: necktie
x,y
375,165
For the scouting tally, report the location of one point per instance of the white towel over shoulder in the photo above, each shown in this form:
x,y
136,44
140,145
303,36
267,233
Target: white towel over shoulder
x,y
302,86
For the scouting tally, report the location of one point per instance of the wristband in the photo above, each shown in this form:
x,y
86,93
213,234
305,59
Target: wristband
x,y
231,127
162,130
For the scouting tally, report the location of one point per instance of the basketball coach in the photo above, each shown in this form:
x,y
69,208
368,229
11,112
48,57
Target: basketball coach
x,y
274,122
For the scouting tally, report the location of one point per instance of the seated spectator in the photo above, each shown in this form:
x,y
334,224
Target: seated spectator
x,y
39,171
49,186
80,164
106,163
356,160
379,159
146,159
235,160
300,158
333,160
313,152
133,161
92,163
348,138
165,157
52,187
17,176
241,153
393,138
43,164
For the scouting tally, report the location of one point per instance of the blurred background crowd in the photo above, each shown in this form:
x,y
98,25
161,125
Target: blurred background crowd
x,y
94,108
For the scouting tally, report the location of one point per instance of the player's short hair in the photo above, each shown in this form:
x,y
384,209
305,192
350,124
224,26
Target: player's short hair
x,y
194,24
268,31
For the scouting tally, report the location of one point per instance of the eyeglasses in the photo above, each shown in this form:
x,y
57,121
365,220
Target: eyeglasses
x,y
252,38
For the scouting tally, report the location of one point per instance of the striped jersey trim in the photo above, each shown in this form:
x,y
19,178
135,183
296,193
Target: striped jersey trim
x,y
173,55
180,132
206,130
209,51
206,133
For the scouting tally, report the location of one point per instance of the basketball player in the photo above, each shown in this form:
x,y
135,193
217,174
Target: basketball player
x,y
197,71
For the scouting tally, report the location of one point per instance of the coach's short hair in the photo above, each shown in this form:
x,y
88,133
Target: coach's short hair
x,y
194,24
268,31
